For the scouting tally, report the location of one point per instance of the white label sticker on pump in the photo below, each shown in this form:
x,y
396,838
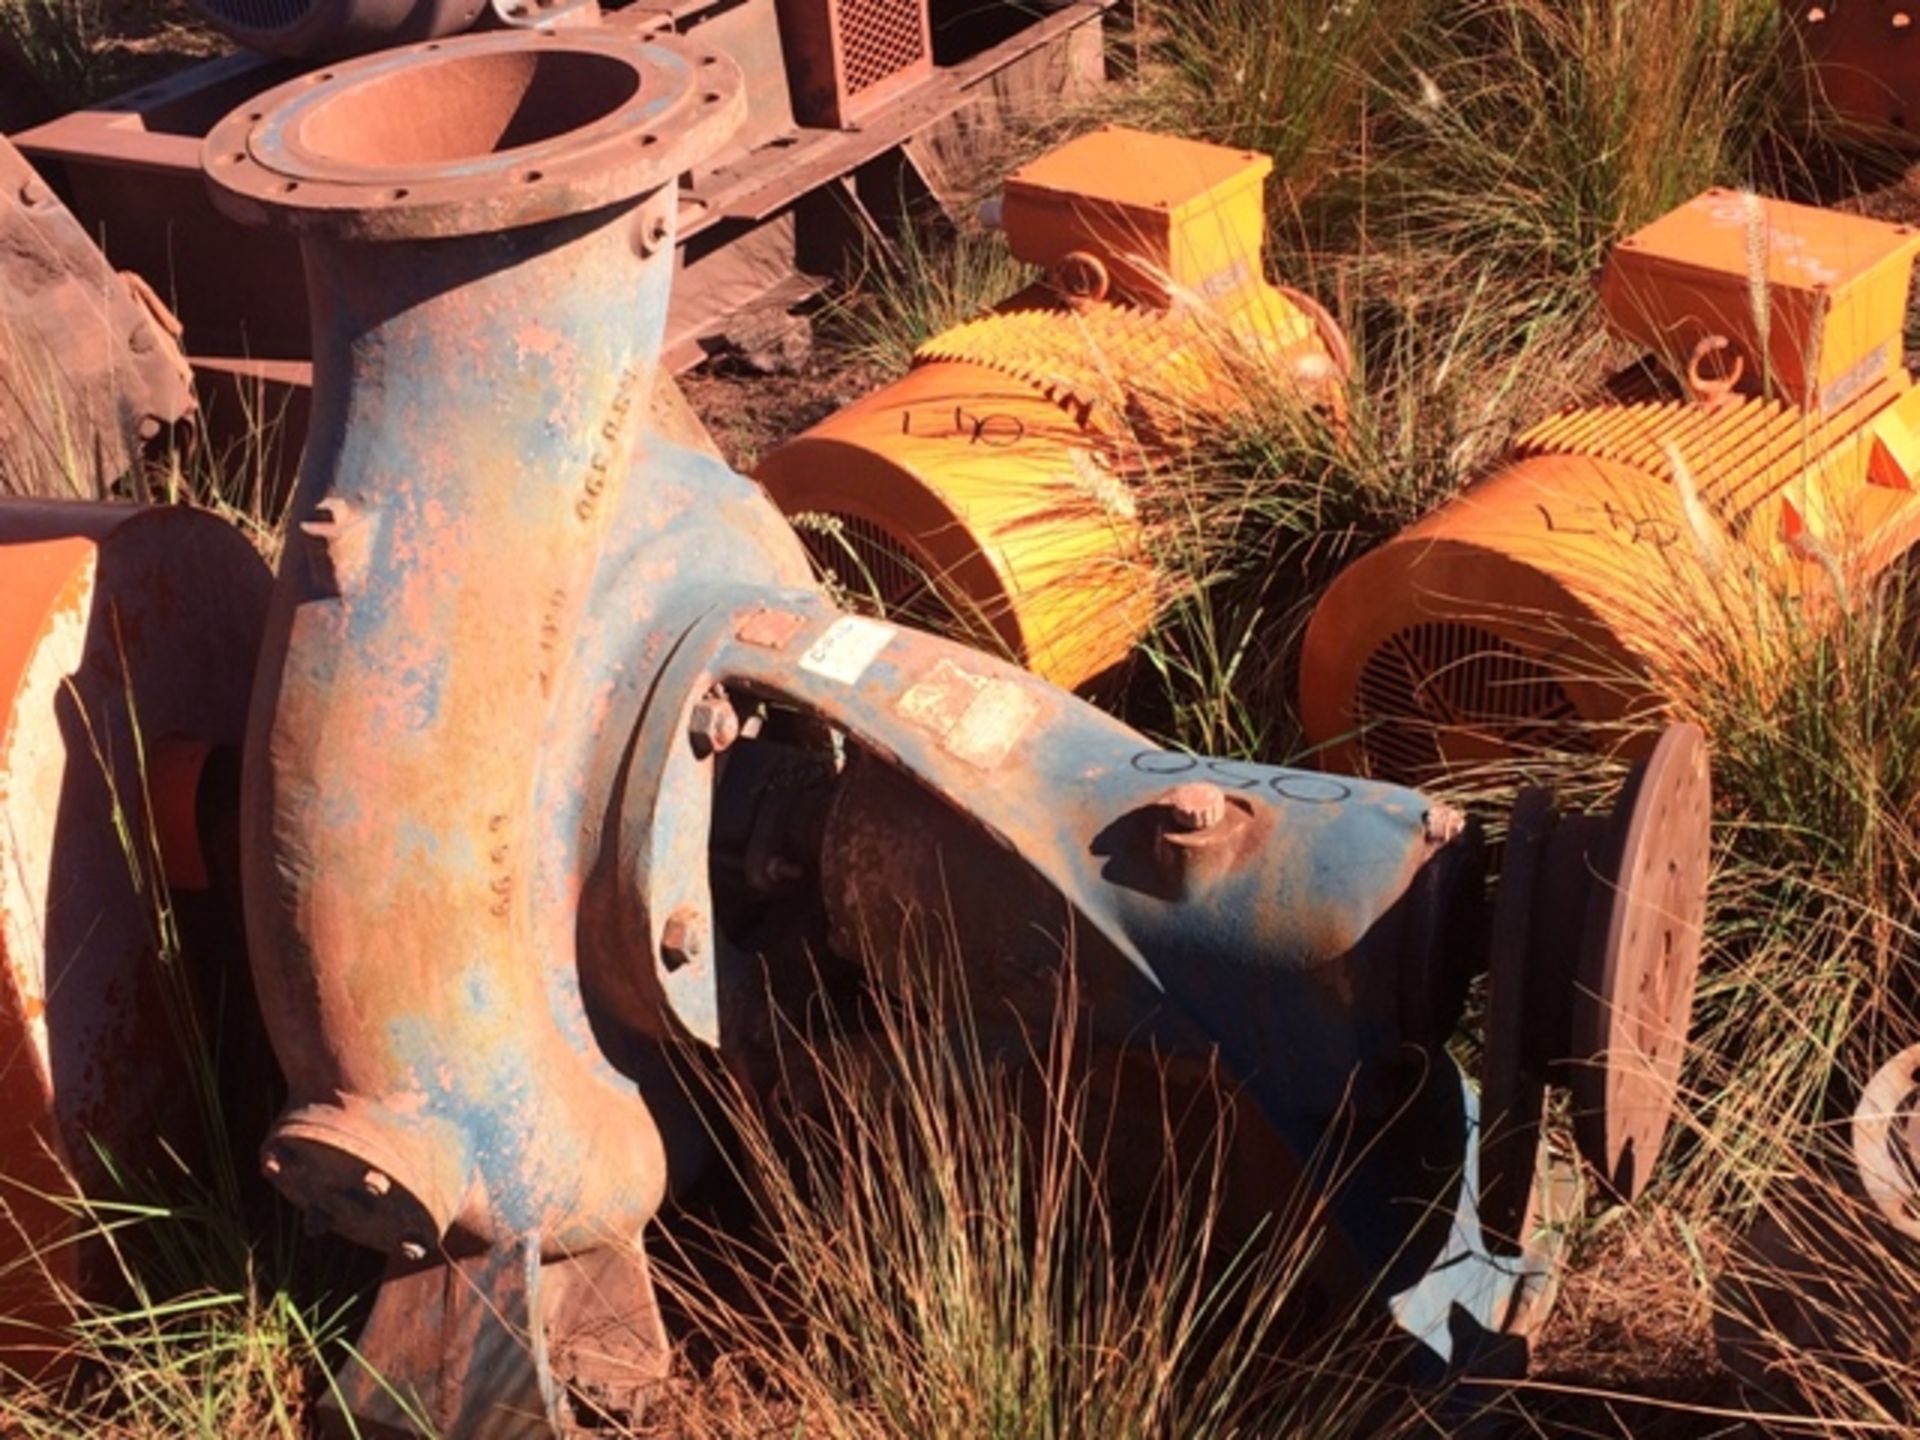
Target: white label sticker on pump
x,y
846,649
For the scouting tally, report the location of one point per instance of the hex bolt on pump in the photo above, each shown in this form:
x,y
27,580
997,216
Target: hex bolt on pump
x,y
549,710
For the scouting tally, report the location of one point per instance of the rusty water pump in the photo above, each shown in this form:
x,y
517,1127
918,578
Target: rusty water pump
x,y
552,724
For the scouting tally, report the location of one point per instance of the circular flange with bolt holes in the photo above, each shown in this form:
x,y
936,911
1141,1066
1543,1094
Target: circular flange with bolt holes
x,y
1634,991
1592,954
475,134
350,1178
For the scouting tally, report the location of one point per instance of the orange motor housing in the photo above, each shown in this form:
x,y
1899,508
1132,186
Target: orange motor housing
x,y
991,491
1861,65
1769,444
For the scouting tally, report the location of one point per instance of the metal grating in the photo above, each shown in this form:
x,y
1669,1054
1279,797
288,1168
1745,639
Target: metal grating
x,y
259,15
878,40
1440,678
871,570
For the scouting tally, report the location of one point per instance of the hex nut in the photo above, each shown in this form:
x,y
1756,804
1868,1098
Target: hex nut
x,y
714,724
683,940
1196,806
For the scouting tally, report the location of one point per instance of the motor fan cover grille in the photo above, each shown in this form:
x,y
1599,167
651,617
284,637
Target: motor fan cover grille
x,y
874,571
1441,678
258,15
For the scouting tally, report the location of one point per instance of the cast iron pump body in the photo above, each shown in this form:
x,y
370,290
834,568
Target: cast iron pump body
x,y
514,637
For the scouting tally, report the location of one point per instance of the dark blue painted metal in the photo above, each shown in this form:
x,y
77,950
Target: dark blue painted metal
x,y
1293,960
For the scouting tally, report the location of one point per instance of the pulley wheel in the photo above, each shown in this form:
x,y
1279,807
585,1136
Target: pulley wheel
x,y
1512,1090
1634,991
1886,1141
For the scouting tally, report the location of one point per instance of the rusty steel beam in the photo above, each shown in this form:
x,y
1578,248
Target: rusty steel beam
x,y
129,167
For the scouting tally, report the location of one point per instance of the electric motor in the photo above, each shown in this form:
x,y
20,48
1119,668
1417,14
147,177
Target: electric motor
x,y
1758,464
996,490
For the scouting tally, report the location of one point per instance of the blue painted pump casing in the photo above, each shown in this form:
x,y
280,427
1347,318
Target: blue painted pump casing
x,y
471,812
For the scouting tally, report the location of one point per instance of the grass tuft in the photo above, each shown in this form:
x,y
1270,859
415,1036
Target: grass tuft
x,y
962,1228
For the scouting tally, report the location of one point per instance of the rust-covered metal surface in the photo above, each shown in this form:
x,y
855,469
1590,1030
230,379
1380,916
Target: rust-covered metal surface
x,y
556,741
128,159
126,644
849,57
1862,61
90,362
489,290
1592,986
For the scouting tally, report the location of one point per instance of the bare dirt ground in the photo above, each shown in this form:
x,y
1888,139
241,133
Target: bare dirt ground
x,y
100,48
1635,1315
748,415
144,40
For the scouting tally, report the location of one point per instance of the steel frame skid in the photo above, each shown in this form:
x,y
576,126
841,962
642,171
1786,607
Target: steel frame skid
x,y
517,642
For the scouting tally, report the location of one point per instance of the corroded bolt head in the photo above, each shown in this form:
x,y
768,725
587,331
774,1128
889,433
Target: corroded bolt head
x,y
653,234
338,545
1442,825
683,941
412,1250
713,725
271,1164
375,1183
1196,806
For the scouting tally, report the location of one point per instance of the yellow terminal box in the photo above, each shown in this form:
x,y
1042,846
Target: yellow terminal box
x,y
1169,217
1766,451
994,490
